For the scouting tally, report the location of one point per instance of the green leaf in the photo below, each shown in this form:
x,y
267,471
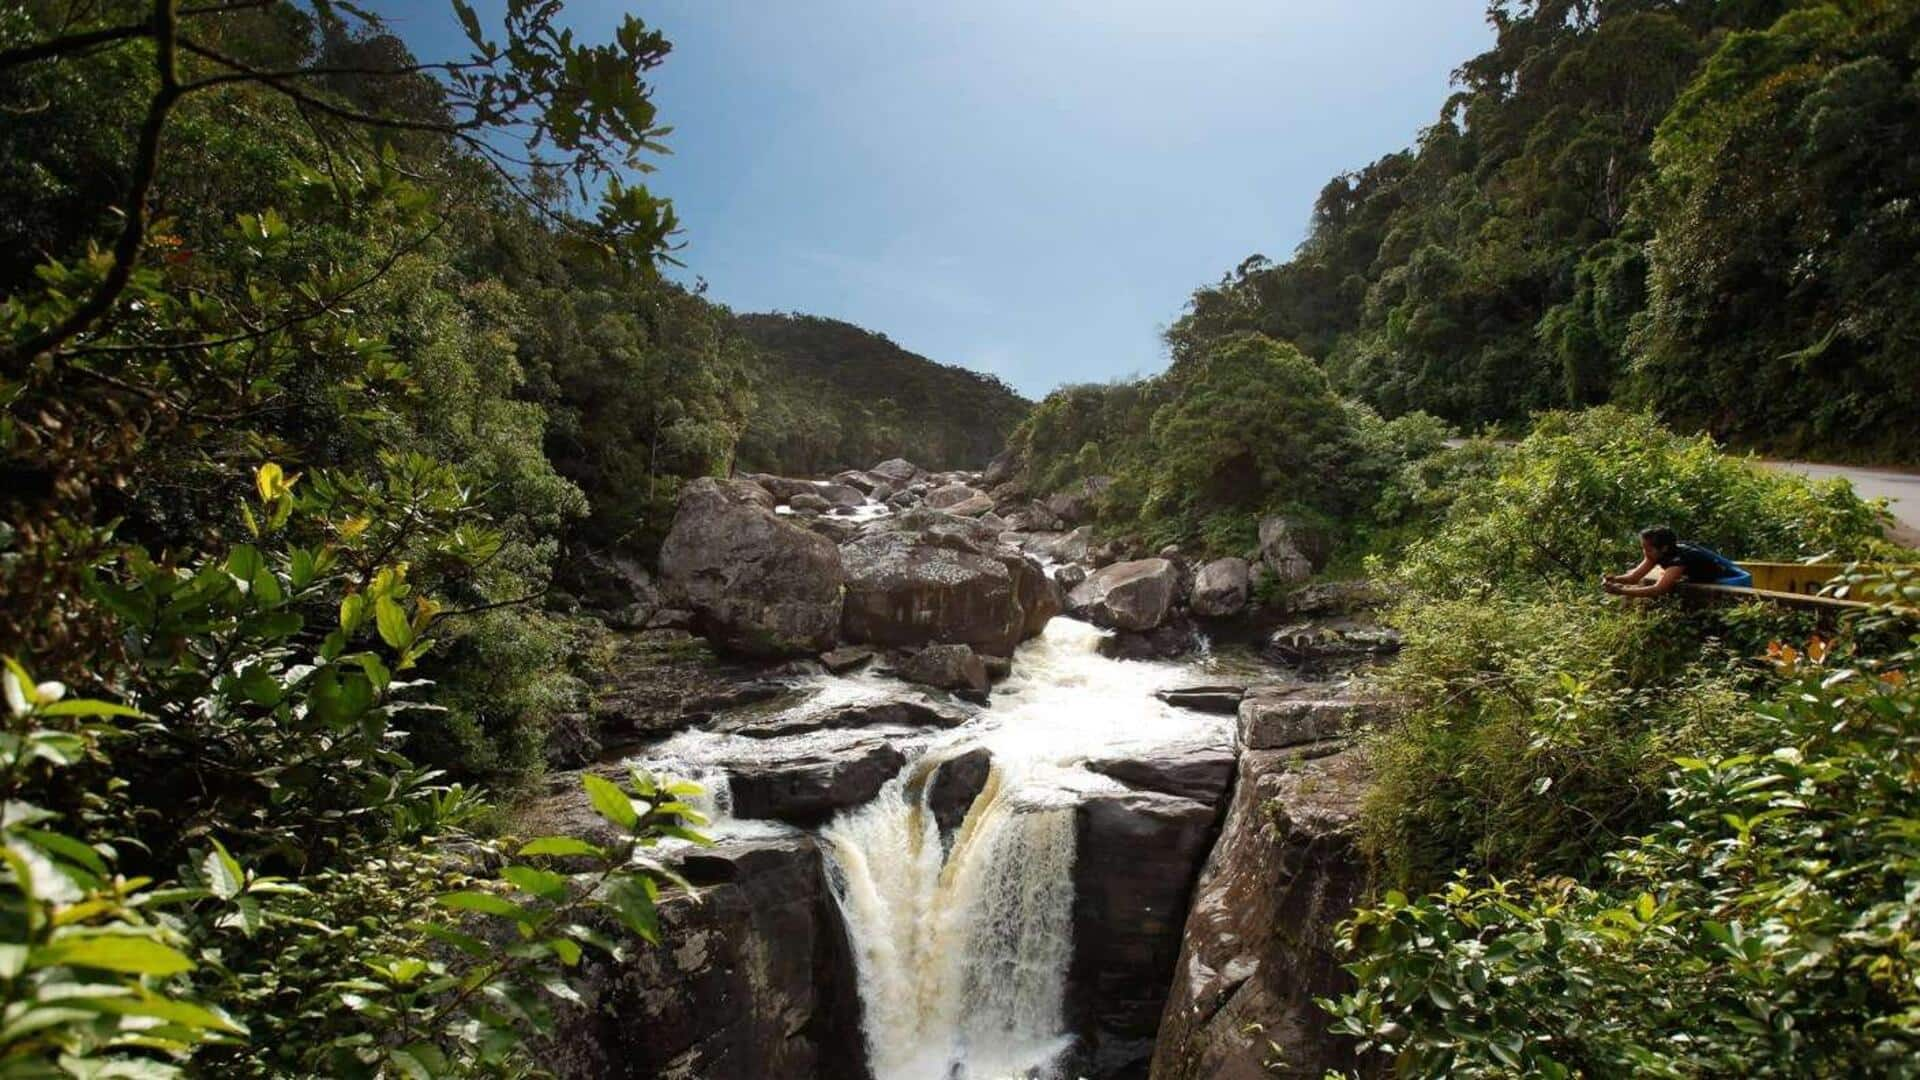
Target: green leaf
x,y
561,845
353,612
634,905
114,952
244,562
542,883
89,707
419,1061
395,630
485,903
172,1011
223,873
610,802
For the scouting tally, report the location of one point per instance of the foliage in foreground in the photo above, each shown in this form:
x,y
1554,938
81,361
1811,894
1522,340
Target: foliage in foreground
x,y
1764,928
329,913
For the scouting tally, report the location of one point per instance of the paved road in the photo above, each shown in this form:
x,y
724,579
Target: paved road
x,y
1900,489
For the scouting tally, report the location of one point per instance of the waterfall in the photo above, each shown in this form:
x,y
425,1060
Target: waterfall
x,y
962,952
962,955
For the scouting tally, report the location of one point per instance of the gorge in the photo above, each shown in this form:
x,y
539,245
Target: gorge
x,y
1021,875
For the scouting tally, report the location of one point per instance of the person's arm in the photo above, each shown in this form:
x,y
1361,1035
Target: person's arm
x,y
1664,584
1646,566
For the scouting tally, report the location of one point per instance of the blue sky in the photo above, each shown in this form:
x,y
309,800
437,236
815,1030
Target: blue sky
x,y
1028,189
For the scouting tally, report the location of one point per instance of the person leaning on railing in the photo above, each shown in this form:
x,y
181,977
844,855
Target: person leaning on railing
x,y
1677,561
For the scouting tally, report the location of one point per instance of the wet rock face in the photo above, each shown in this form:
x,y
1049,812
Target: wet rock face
x,y
755,979
1258,945
1138,855
757,584
953,785
1133,595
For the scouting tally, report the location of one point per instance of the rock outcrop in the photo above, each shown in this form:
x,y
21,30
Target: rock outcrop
x,y
1258,946
953,785
952,495
1075,503
757,584
755,979
1133,595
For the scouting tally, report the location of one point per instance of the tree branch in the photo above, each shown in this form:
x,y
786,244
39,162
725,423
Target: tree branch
x,y
133,233
71,43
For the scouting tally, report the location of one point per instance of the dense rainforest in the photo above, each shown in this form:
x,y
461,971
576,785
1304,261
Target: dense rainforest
x,y
1700,207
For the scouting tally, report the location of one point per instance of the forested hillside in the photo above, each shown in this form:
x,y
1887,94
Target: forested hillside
x,y
318,362
834,396
1701,207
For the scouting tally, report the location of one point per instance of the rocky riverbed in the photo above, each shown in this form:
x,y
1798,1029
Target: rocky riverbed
x,y
991,799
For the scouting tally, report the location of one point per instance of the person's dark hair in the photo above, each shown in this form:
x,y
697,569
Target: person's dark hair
x,y
1660,537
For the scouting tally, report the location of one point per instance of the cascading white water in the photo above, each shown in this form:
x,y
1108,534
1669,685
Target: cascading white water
x,y
962,954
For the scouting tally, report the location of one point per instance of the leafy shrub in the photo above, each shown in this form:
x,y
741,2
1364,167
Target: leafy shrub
x,y
1763,929
1540,732
1567,503
1238,428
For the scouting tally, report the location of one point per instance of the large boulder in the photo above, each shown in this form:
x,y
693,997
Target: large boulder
x,y
1133,595
948,667
856,479
953,495
926,577
1258,947
1220,589
782,488
756,583
841,495
897,471
978,506
1198,770
1294,716
1289,550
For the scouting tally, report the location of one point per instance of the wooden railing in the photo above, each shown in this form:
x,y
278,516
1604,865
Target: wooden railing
x,y
1794,585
